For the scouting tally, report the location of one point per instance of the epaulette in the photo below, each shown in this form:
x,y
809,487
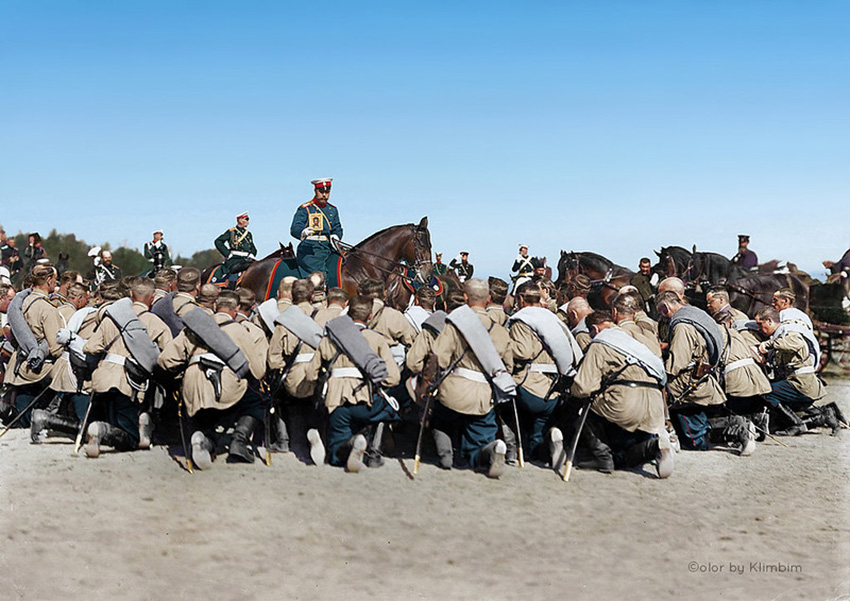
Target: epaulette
x,y
307,204
231,229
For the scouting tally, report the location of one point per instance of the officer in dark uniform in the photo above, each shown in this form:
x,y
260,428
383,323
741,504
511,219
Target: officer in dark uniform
x,y
316,224
463,268
156,252
745,259
236,245
439,268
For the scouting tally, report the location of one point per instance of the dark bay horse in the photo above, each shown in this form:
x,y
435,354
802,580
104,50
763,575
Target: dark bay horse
x,y
711,269
379,256
751,293
672,261
606,277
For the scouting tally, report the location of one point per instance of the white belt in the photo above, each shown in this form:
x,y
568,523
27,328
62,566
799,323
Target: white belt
x,y
346,372
317,238
66,356
304,358
544,368
470,374
804,370
239,253
739,363
208,357
116,359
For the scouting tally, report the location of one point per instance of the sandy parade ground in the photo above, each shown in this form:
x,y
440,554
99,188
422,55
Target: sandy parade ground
x,y
775,526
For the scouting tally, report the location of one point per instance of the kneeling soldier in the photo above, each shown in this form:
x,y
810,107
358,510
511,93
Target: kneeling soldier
x,y
358,362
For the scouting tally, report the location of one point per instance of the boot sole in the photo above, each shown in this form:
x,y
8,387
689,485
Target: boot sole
x,y
92,447
556,447
317,449
355,456
200,455
144,431
497,467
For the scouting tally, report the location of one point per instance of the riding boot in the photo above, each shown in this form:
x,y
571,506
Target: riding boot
x,y
280,435
509,436
798,426
762,423
601,457
492,458
42,420
103,433
239,451
823,417
373,457
643,452
445,454
735,430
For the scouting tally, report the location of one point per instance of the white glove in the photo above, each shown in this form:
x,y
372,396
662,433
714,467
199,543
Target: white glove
x,y
306,232
335,243
653,281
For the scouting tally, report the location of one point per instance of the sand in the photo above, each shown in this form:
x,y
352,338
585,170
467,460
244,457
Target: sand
x,y
774,525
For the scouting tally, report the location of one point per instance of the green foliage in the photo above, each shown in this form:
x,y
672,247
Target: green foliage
x,y
201,259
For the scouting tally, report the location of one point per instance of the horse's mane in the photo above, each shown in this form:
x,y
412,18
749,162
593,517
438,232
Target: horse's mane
x,y
379,233
607,262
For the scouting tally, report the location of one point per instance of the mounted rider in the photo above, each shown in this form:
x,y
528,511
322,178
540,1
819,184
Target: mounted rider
x,y
236,245
523,266
316,224
156,252
745,259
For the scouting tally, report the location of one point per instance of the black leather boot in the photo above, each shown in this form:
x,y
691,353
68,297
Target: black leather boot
x,y
797,426
102,433
445,454
821,417
239,451
601,458
42,420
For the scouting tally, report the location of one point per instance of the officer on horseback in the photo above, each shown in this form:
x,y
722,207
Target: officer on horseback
x,y
157,253
237,246
316,224
745,259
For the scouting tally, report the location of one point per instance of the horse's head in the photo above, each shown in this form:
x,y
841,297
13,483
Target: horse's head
x,y
421,251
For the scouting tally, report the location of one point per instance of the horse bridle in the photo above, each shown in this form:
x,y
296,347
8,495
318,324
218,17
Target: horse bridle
x,y
422,256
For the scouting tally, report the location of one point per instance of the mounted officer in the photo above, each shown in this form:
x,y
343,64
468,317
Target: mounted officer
x,y
157,253
745,259
316,224
236,245
523,266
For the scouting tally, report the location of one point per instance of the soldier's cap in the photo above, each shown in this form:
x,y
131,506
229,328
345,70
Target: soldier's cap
x,y
525,246
743,238
438,254
464,252
155,232
242,216
322,182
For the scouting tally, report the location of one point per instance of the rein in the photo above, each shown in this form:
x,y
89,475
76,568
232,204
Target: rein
x,y
418,263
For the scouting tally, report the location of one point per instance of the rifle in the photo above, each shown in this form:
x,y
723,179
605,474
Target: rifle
x,y
22,413
428,397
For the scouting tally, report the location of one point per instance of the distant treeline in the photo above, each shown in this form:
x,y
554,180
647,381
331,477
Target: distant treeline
x,y
130,260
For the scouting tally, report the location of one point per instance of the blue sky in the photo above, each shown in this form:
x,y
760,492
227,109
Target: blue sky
x,y
615,127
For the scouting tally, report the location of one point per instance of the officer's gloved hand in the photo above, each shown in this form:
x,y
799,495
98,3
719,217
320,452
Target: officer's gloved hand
x,y
305,232
335,243
63,336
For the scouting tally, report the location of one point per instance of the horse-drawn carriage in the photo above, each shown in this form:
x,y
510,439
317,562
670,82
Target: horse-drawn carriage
x,y
829,305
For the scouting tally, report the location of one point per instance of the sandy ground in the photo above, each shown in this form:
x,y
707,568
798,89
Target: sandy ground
x,y
135,526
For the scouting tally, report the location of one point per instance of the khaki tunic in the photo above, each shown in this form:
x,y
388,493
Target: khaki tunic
x,y
392,323
688,345
352,390
793,351
747,380
282,346
326,314
497,314
110,375
420,350
647,323
630,408
526,349
462,394
583,339
63,378
198,391
45,321
183,303
642,335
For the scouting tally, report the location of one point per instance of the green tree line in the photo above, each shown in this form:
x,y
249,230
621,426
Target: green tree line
x,y
130,260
